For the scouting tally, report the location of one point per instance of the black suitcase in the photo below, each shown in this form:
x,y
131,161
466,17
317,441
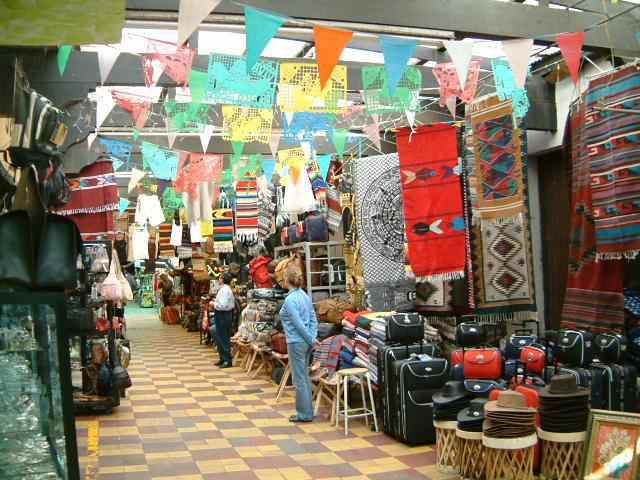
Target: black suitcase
x,y
619,387
387,379
583,375
416,417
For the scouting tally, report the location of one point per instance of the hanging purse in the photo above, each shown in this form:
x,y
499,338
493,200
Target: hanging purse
x,y
119,374
103,325
127,293
111,288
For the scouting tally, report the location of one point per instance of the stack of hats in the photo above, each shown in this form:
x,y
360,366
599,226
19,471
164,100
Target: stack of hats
x,y
450,400
471,418
564,407
509,416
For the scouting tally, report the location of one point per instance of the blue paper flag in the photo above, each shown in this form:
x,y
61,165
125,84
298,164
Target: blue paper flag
x,y
117,164
163,163
397,52
118,150
268,167
638,37
304,127
260,26
323,162
124,204
506,87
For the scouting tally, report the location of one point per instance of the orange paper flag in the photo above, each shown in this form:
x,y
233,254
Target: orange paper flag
x,y
329,45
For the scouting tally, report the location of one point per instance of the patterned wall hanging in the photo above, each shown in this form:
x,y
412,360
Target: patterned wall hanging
x,y
507,89
447,77
229,83
299,89
186,117
594,298
500,241
305,126
163,163
376,91
432,199
246,124
380,224
613,139
118,150
246,209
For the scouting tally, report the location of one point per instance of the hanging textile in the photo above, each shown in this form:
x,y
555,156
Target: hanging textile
x,y
501,276
266,211
93,190
594,297
334,211
246,218
380,227
165,249
613,140
95,226
432,200
176,234
223,229
148,210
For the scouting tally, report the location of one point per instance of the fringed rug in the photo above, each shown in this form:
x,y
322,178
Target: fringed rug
x,y
594,297
612,137
223,230
432,199
246,210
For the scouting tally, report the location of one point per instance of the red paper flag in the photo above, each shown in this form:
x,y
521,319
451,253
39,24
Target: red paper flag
x,y
137,107
570,45
329,45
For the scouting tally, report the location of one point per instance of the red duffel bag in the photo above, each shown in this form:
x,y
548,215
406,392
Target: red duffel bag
x,y
483,363
534,359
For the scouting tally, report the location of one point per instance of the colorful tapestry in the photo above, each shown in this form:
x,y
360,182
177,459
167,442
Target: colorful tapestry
x,y
223,230
299,89
594,297
94,190
380,220
501,283
498,190
434,296
447,77
376,91
229,83
246,218
246,124
266,211
432,200
95,226
613,140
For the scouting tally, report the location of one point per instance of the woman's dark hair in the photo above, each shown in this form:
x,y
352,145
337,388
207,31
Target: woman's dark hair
x,y
226,278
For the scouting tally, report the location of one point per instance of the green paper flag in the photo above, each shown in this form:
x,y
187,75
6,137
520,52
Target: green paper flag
x,y
238,147
227,177
64,52
339,139
197,85
260,26
136,134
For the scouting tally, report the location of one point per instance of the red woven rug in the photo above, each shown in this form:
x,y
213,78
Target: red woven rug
x,y
432,197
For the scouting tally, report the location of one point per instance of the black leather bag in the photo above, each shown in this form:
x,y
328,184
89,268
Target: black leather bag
x,y
483,388
610,347
574,347
405,328
470,334
515,343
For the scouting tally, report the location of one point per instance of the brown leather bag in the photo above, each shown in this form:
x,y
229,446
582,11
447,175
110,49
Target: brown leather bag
x,y
282,267
331,310
278,342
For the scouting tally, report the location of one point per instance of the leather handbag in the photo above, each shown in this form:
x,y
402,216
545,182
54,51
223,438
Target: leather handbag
x,y
534,358
119,374
483,363
405,328
426,374
470,334
610,347
515,343
278,342
574,347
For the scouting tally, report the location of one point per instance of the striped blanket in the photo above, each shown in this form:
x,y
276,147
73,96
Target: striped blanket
x,y
223,230
612,136
247,210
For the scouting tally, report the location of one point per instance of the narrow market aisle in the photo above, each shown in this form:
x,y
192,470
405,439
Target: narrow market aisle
x,y
185,419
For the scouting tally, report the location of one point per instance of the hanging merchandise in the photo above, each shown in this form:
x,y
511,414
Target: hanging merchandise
x,y
380,223
447,77
136,176
162,162
397,53
506,87
268,167
176,234
170,199
612,140
223,226
518,52
107,57
123,205
139,242
165,249
299,89
334,211
205,167
570,45
177,64
135,100
198,204
432,200
501,277
94,190
594,298
191,13
460,52
246,210
149,211
376,90
266,211
298,196
195,232
246,124
228,82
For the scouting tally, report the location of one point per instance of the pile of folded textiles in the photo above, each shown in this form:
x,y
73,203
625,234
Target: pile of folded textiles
x,y
349,321
328,354
347,354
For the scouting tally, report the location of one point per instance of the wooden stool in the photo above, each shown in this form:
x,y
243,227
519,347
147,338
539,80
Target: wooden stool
x,y
362,375
510,458
472,455
260,359
446,446
283,360
326,389
561,454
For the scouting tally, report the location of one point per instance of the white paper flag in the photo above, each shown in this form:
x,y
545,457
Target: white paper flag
x,y
306,148
373,133
90,139
205,137
136,176
460,52
451,105
171,138
275,142
518,52
190,15
104,104
107,56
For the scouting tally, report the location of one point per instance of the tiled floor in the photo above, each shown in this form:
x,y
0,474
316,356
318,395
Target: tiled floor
x,y
185,419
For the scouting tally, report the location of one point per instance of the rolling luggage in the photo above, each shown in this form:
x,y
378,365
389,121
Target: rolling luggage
x,y
616,387
574,348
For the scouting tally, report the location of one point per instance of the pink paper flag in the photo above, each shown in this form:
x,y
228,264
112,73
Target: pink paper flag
x,y
373,133
137,107
152,68
447,78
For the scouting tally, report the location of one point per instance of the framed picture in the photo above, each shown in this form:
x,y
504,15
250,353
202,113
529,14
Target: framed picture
x,y
612,446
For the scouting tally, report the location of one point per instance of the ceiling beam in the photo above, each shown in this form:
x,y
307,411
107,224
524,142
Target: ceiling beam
x,y
483,18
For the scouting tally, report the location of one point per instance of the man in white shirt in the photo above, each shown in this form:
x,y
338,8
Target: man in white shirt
x,y
224,305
